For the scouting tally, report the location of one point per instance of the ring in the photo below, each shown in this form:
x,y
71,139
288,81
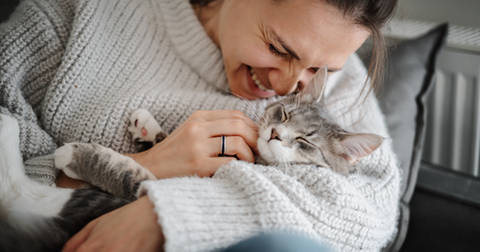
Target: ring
x,y
224,145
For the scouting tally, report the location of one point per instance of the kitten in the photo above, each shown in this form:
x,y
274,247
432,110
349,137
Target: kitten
x,y
35,217
298,129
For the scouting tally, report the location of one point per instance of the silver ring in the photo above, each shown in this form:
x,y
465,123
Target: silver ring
x,y
224,145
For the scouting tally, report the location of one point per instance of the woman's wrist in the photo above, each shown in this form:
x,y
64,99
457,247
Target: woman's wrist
x,y
146,208
143,159
64,181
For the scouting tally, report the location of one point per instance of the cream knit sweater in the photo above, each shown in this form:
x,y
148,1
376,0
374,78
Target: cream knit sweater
x,y
75,70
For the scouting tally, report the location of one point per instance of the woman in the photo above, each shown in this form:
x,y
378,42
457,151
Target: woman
x,y
75,72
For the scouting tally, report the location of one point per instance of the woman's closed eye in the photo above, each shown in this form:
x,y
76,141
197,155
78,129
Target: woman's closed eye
x,y
277,53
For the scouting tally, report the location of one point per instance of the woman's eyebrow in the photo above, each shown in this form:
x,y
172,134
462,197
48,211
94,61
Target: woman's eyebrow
x,y
282,43
287,48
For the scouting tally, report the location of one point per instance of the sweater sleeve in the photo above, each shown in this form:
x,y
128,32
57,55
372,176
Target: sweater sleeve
x,y
31,49
354,213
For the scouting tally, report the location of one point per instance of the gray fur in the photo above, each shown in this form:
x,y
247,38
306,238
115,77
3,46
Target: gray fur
x,y
100,166
36,217
306,133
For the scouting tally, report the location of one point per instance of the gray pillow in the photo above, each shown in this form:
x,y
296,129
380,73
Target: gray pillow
x,y
410,71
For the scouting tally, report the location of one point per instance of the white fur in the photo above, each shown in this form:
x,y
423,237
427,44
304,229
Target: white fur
x,y
145,121
63,156
275,151
23,201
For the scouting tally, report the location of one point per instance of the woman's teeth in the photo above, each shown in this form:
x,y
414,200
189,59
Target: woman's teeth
x,y
258,82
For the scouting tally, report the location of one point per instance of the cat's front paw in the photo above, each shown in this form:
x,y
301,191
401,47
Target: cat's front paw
x,y
63,157
144,127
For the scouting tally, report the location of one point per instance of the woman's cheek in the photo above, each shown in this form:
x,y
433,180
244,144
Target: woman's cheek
x,y
258,57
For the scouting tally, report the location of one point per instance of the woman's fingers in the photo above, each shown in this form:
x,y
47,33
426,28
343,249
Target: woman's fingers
x,y
207,115
234,127
234,146
133,227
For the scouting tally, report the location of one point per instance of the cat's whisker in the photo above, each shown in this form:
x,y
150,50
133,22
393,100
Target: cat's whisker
x,y
251,123
249,107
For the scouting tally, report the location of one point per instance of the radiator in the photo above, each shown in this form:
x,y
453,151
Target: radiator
x,y
452,137
453,126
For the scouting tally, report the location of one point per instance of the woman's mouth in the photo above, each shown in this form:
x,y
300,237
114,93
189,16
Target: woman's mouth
x,y
257,82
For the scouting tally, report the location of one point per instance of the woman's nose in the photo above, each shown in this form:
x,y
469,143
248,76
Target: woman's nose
x,y
284,83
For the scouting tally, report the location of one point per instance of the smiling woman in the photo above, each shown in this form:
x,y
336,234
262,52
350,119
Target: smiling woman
x,y
75,70
282,43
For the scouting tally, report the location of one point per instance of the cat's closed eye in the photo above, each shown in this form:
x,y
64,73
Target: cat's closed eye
x,y
284,115
303,143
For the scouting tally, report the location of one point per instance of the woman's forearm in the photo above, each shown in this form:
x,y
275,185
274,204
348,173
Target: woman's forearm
x,y
133,227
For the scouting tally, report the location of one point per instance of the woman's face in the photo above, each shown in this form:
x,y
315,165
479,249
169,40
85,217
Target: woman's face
x,y
275,48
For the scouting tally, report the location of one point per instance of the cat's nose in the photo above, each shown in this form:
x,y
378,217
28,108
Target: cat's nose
x,y
275,135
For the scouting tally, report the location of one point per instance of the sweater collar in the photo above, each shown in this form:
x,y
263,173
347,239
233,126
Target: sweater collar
x,y
191,42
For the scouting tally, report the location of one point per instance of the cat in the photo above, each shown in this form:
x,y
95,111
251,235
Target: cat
x,y
35,217
298,129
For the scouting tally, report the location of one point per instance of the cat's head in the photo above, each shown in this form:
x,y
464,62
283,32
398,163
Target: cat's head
x,y
298,129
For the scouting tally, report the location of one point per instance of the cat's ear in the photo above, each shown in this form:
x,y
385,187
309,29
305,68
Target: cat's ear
x,y
314,90
358,146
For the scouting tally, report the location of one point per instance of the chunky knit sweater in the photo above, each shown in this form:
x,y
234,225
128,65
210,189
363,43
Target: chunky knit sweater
x,y
75,70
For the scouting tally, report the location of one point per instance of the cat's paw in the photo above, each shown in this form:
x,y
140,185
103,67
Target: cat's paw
x,y
63,157
144,127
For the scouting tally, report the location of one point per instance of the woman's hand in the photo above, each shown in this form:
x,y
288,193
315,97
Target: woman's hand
x,y
66,182
194,147
133,227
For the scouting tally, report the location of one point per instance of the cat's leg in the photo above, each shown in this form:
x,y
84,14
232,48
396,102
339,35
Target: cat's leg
x,y
102,167
145,130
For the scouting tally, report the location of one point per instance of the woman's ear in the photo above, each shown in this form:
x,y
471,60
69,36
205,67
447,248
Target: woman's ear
x,y
314,90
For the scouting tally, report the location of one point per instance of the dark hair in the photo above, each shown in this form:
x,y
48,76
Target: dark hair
x,y
201,3
369,14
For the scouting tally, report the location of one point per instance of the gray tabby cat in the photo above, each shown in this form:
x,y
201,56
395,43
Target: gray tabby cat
x,y
35,217
298,129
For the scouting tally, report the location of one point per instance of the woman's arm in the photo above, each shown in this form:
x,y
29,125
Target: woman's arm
x,y
133,227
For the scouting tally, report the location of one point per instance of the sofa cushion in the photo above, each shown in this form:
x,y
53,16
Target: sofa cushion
x,y
410,71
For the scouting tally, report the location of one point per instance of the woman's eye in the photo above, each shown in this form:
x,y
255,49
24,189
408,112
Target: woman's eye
x,y
284,115
276,52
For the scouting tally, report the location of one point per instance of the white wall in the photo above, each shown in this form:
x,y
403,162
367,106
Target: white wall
x,y
457,12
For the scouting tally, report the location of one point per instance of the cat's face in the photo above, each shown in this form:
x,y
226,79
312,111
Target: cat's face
x,y
299,130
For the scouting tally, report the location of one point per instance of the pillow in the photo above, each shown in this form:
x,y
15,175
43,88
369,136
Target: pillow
x,y
410,71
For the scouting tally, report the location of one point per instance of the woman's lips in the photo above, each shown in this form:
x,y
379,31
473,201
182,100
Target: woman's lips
x,y
257,81
256,86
